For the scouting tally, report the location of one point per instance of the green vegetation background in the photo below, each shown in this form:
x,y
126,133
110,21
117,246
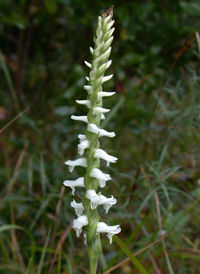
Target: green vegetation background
x,y
155,114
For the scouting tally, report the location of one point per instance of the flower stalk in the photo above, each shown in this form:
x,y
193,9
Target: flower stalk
x,y
87,211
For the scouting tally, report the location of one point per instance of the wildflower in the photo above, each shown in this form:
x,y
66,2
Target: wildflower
x,y
79,208
100,153
110,230
79,223
102,177
79,162
74,183
90,146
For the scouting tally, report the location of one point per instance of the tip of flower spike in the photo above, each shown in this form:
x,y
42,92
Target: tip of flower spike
x,y
109,11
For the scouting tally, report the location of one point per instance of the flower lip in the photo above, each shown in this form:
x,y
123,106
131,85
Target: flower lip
x,y
82,146
87,103
79,208
93,197
78,162
79,223
98,110
110,230
102,177
100,153
94,129
107,202
74,183
80,118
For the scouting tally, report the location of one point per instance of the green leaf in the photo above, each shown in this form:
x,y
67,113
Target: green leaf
x,y
125,249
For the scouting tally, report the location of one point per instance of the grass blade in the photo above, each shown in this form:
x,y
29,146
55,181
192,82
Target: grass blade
x,y
43,253
125,249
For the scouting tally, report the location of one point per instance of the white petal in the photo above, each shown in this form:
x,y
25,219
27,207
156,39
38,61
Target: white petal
x,y
108,64
100,153
82,146
105,94
111,31
98,110
91,50
74,183
79,162
110,24
107,202
93,197
106,78
110,230
80,118
92,128
103,132
103,117
82,137
87,78
79,223
79,208
102,177
89,89
84,102
88,64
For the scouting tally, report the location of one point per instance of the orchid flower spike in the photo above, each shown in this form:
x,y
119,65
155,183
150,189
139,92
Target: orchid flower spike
x,y
89,146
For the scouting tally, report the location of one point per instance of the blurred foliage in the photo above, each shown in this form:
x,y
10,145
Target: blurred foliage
x,y
155,114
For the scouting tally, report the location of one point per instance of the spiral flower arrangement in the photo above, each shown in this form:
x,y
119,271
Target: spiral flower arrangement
x,y
86,211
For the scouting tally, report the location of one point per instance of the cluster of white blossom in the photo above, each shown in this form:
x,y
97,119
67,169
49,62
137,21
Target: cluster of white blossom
x,y
96,78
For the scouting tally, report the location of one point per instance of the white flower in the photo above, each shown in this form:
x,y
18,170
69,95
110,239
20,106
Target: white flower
x,y
106,78
108,64
105,94
88,64
93,197
96,200
103,132
110,230
74,183
94,129
107,202
79,223
78,207
79,162
100,153
98,110
82,137
89,89
82,146
91,50
80,118
87,103
102,177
